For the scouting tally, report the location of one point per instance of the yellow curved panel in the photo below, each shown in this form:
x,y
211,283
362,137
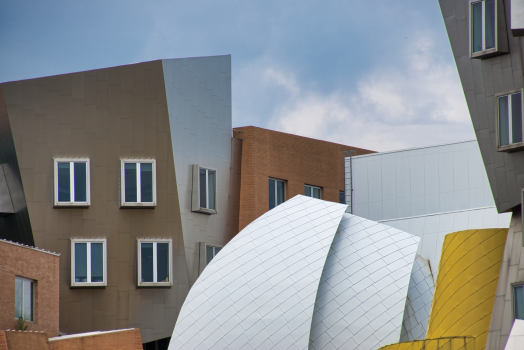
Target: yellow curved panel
x,y
464,293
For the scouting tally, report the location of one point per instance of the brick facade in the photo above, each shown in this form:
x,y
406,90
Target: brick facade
x,y
128,339
43,268
297,160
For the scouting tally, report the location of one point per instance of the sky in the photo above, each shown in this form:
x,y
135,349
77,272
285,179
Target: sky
x,y
375,74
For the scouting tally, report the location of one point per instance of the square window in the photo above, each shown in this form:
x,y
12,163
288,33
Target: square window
x,y
487,30
72,182
509,121
277,192
518,302
24,298
138,184
204,198
88,262
211,252
154,262
313,191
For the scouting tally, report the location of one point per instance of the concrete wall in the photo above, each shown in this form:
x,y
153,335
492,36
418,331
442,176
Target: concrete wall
x,y
105,115
198,94
295,159
40,266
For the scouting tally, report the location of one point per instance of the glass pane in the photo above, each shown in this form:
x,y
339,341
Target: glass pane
x,y
28,300
130,182
490,24
519,303
18,297
209,254
316,192
212,189
503,121
97,262
146,179
516,117
308,191
80,262
476,30
280,192
271,194
342,197
64,182
203,195
162,256
80,182
146,254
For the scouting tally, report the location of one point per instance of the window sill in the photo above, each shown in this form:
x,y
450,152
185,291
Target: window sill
x,y
155,284
88,285
138,205
511,148
487,53
205,211
72,204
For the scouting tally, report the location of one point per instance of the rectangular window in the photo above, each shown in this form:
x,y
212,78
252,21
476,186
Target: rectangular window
x,y
154,262
72,183
24,298
138,183
509,120
211,252
276,192
204,197
518,297
342,197
313,191
483,19
88,262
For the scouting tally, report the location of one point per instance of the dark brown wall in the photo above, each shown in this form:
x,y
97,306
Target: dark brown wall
x,y
296,159
104,115
16,260
120,340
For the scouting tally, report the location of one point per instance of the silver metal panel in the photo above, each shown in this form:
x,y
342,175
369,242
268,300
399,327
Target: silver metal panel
x,y
260,290
516,336
200,121
420,181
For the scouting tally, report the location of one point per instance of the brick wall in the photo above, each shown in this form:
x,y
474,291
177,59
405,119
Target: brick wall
x,y
16,260
16,340
297,160
128,339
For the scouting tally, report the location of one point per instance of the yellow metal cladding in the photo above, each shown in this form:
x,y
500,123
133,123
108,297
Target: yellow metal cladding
x,y
465,292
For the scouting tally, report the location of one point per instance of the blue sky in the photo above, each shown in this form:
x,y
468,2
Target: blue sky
x,y
375,74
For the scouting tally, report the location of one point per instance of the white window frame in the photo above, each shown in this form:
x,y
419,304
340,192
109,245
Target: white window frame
x,y
312,187
33,297
138,203
511,146
195,198
104,259
276,190
501,44
72,203
139,261
203,255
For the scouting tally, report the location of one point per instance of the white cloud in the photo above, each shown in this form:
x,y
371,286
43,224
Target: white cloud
x,y
416,103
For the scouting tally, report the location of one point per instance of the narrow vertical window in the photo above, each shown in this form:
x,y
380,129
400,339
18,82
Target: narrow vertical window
x,y
313,191
24,298
88,262
72,182
207,188
342,197
154,262
509,119
277,193
483,23
211,252
518,295
138,183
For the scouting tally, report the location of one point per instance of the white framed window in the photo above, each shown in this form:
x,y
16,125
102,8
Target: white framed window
x,y
207,253
72,182
204,198
154,262
277,192
487,33
509,121
313,191
138,183
24,298
88,262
